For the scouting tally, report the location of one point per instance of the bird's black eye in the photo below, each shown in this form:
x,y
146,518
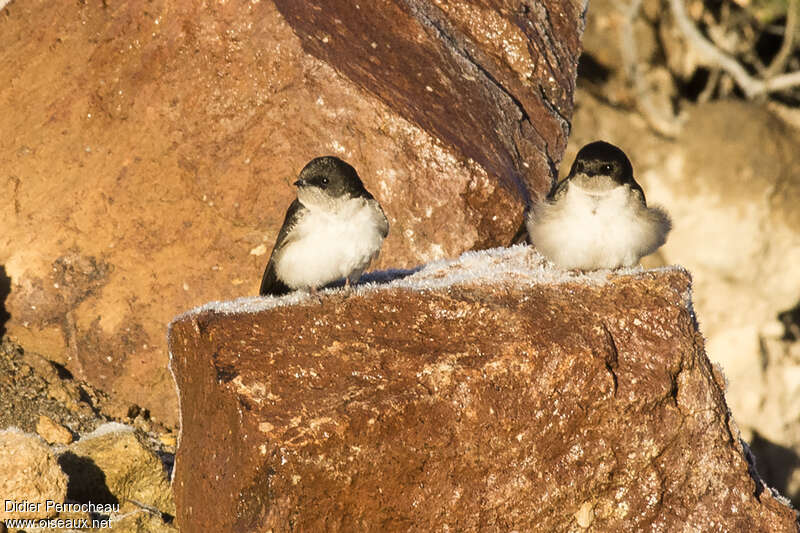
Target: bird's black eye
x,y
325,181
606,168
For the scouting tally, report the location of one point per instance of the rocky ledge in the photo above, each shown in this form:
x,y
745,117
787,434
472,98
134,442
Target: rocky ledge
x,y
490,393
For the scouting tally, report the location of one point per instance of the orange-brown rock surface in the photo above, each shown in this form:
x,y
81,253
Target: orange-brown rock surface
x,y
29,477
491,77
148,150
487,394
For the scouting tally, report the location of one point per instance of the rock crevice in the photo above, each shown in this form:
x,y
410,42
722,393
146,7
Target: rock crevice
x,y
492,81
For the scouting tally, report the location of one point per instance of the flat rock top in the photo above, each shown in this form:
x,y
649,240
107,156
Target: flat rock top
x,y
517,268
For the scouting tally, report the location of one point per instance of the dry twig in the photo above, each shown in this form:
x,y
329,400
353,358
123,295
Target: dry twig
x,y
711,84
751,86
779,61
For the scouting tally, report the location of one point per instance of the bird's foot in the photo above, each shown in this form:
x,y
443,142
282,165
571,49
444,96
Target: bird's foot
x,y
315,294
348,288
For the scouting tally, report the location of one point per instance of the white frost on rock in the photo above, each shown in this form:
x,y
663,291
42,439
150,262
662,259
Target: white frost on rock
x,y
518,265
17,431
107,428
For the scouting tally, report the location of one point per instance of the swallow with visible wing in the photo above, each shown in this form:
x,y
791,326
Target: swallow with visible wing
x,y
597,217
333,230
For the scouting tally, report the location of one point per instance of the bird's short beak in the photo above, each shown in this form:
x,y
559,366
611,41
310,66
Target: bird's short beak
x,y
299,183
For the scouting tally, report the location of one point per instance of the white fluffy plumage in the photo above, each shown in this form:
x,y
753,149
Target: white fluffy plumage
x,y
333,239
589,230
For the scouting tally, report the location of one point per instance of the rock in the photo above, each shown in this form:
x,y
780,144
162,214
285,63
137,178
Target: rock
x,y
496,83
746,202
41,366
25,395
65,393
120,410
175,134
110,465
489,392
53,432
585,515
168,440
29,476
728,185
140,521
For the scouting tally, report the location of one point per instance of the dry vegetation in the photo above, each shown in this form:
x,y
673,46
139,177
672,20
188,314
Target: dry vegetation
x,y
672,51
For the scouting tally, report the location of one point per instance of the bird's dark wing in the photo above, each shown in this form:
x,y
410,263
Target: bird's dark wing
x,y
365,194
635,186
270,284
521,236
558,189
384,227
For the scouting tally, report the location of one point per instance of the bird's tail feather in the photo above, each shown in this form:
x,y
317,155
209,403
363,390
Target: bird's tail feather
x,y
271,285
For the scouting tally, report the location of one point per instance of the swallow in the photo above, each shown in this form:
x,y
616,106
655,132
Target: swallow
x,y
334,229
597,217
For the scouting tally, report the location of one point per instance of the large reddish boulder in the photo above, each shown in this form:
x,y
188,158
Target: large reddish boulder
x,y
148,150
491,393
493,78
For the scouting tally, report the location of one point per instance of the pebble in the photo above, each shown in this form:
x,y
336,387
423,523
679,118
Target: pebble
x,y
53,432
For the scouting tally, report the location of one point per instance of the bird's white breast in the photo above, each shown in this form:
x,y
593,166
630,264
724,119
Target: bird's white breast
x,y
331,242
597,229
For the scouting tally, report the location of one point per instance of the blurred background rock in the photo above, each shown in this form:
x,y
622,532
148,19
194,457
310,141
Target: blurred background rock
x,y
721,152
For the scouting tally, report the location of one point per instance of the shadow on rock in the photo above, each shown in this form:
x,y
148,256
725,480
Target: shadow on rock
x,y
87,482
379,277
775,464
5,290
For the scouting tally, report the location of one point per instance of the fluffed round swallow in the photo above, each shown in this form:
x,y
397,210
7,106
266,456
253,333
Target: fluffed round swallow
x,y
333,230
597,217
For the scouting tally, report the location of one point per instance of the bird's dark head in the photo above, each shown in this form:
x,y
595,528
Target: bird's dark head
x,y
328,177
602,162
